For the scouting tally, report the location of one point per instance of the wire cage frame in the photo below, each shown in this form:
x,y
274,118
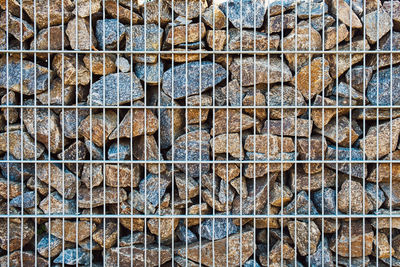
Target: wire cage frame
x,y
199,133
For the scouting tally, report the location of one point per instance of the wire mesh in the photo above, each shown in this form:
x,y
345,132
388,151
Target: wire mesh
x,y
199,133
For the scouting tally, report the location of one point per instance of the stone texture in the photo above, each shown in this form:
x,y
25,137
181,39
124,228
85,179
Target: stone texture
x,y
146,148
14,235
106,235
68,230
73,256
80,35
344,156
85,8
163,227
100,64
345,14
377,24
135,254
359,77
187,186
288,127
382,84
244,14
19,28
27,149
353,199
214,18
276,23
49,246
109,33
282,96
124,14
231,120
340,130
99,196
122,175
216,39
54,203
65,66
248,41
307,236
227,143
186,33
308,10
334,36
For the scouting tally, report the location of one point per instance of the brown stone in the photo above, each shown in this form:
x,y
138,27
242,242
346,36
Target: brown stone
x,y
99,196
133,124
227,143
388,135
181,58
197,209
163,227
212,200
134,255
249,41
280,195
217,43
313,148
271,223
359,77
23,258
322,117
331,34
65,66
106,235
275,23
188,9
132,224
100,64
307,38
288,127
304,181
268,143
214,18
136,238
236,121
83,38
56,35
345,14
197,115
85,8
186,185
92,174
29,149
59,94
15,25
307,236
68,230
257,100
55,204
240,185
382,246
360,239
353,199
267,70
387,171
100,129
216,252
227,171
157,12
150,153
284,95
281,249
340,131
14,235
374,21
186,33
393,7
123,14
122,175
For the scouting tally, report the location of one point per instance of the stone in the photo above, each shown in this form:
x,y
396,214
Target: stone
x,y
382,246
334,36
322,117
249,41
359,77
352,199
186,33
106,235
109,33
308,10
325,200
216,229
10,114
386,171
10,189
347,93
92,175
306,181
163,227
345,14
95,151
132,224
281,96
157,13
54,203
307,236
288,127
307,38
54,36
153,187
95,128
124,15
216,39
146,148
279,22
100,64
279,195
244,14
25,201
119,150
229,94
65,66
61,12
322,22
186,80
302,204
216,252
226,194
123,64
49,246
136,238
59,94
344,155
227,172
340,131
234,118
196,55
20,258
99,196
135,255
14,235
384,86
77,151
197,115
312,148
12,142
73,256
150,73
120,88
172,121
17,76
266,70
340,63
255,99
135,41
85,8
375,195
59,178
389,42
323,256
67,230
392,194
133,125
376,24
17,27
80,35
214,18
187,186
185,234
227,143
188,9
197,209
387,133
314,78
278,251
392,7
122,175
71,118
359,238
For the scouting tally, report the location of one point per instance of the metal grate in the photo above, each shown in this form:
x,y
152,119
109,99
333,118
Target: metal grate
x,y
199,133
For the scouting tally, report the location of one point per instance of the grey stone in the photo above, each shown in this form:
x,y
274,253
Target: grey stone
x,y
215,229
140,203
15,25
150,73
92,175
24,201
281,96
359,77
119,150
54,203
377,24
71,118
308,10
302,203
245,14
326,200
185,234
120,88
77,151
154,186
345,91
83,38
186,81
322,257
135,238
29,149
189,9
346,154
95,151
74,256
122,64
16,171
382,85
375,194
109,33
49,246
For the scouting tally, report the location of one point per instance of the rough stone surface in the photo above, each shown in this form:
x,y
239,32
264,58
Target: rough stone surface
x,y
379,87
307,237
245,14
109,33
377,24
83,38
352,199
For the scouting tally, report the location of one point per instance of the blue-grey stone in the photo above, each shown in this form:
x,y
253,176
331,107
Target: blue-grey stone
x,y
73,256
218,228
244,13
375,194
184,80
251,263
152,185
120,88
49,246
329,200
25,201
95,151
108,33
185,234
346,154
119,151
383,85
303,204
14,170
322,257
307,10
150,73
